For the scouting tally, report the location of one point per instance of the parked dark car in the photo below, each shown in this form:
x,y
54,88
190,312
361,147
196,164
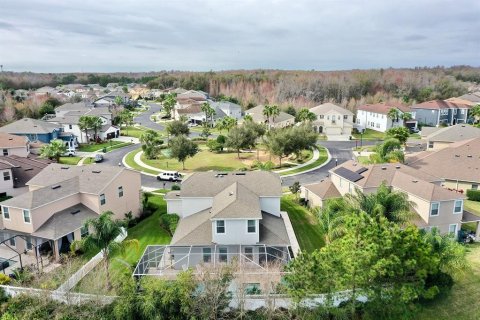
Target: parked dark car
x,y
98,158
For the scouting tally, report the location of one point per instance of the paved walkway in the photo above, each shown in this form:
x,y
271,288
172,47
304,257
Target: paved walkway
x,y
316,155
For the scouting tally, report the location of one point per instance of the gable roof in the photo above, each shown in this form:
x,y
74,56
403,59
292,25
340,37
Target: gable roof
x,y
473,97
459,161
257,115
12,141
261,183
23,169
325,189
439,104
92,179
236,201
454,133
79,106
29,126
326,107
384,107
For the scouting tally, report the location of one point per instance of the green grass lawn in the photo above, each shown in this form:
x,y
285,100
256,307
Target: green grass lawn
x,y
363,160
472,206
98,146
69,160
463,301
134,165
370,134
304,224
322,158
135,132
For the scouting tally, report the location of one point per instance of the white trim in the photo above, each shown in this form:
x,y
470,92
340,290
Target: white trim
x,y
3,213
455,205
438,209
456,229
224,227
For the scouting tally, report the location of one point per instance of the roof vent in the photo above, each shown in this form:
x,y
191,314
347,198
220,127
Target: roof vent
x,y
457,156
469,156
177,195
397,167
96,171
414,181
64,168
240,173
10,139
75,212
28,169
56,186
230,193
384,168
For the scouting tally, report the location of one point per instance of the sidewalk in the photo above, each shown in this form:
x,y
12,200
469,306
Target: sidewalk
x,y
316,155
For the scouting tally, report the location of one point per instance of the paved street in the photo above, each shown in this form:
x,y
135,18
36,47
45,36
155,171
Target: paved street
x,y
341,151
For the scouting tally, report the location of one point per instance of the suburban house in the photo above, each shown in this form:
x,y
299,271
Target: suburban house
x,y
40,131
68,116
438,138
108,100
434,205
11,144
194,113
437,112
333,121
195,95
473,97
458,164
281,121
60,199
375,116
237,218
16,171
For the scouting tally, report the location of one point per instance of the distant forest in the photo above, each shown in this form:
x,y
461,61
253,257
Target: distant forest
x,y
298,88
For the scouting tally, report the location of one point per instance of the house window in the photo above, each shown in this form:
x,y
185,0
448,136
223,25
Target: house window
x,y
434,209
345,117
6,175
5,152
223,254
321,116
26,216
83,232
251,226
120,192
12,241
430,144
328,117
458,206
452,229
28,243
252,288
102,199
474,186
207,255
6,212
378,125
462,111
70,126
220,226
249,253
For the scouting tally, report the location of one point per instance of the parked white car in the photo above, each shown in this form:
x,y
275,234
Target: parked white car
x,y
169,176
69,153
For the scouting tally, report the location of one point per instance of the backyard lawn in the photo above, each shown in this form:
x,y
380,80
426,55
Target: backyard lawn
x,y
463,301
74,160
304,224
135,132
472,206
370,134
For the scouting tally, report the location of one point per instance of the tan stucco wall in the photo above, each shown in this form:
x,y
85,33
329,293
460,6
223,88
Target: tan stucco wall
x,y
313,199
19,151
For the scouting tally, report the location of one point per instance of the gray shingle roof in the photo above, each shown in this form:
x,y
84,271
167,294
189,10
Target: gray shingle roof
x,y
23,169
29,126
262,183
325,189
455,133
257,115
326,107
64,222
236,201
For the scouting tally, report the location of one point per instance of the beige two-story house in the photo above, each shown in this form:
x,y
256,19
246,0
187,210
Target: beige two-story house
x,y
51,215
434,205
333,121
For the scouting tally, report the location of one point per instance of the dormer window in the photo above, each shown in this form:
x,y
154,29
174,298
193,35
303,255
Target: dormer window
x,y
220,226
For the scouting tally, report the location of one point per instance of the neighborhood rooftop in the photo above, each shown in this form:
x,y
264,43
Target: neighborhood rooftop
x,y
29,126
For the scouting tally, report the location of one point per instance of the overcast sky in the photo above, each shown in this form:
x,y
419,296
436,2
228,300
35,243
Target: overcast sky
x,y
106,36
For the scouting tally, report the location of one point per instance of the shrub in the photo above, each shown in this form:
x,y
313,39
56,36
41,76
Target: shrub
x,y
4,279
175,187
473,195
214,146
169,222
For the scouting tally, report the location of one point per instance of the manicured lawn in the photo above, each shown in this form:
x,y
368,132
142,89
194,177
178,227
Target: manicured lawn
x,y
135,132
463,301
134,165
370,134
322,158
98,146
304,224
472,206
69,160
363,160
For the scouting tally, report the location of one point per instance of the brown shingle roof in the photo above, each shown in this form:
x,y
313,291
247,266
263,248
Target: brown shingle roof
x,y
12,141
439,104
325,189
384,107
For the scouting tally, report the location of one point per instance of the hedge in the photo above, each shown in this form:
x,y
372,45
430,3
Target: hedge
x,y
473,195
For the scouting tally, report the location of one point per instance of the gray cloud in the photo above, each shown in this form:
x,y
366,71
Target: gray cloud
x,y
109,35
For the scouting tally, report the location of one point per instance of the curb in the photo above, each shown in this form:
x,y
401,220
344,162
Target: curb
x,y
128,167
312,169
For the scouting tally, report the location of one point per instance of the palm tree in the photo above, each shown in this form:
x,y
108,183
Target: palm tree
x,y
270,112
209,111
393,205
54,150
248,118
104,232
393,114
331,218
388,151
305,115
406,116
475,112
96,125
85,124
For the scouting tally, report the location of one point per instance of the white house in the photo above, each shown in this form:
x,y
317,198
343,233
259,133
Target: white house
x,y
334,121
375,116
